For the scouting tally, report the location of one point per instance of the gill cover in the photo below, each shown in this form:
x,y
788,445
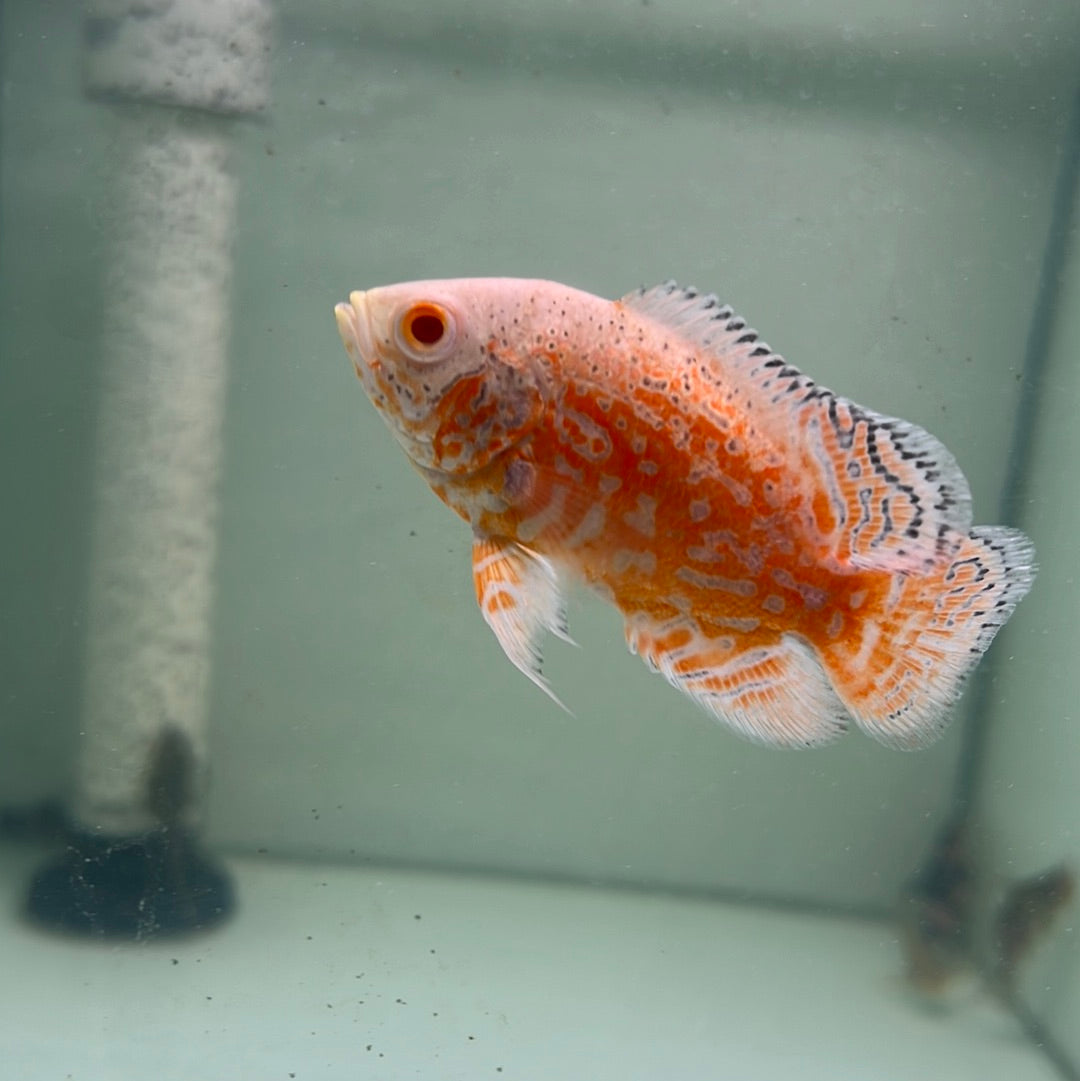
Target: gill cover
x,y
430,365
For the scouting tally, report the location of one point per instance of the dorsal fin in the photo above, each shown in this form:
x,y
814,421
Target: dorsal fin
x,y
895,492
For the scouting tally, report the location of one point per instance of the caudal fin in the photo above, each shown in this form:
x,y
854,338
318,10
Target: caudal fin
x,y
918,650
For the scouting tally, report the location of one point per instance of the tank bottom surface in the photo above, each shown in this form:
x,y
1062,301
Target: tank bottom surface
x,y
342,972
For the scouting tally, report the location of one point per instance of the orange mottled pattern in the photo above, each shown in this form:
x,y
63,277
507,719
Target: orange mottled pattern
x,y
699,516
786,558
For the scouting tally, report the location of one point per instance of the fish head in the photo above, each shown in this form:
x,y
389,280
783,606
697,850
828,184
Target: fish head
x,y
444,370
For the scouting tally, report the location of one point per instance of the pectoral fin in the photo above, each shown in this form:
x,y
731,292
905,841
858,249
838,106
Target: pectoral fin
x,y
519,597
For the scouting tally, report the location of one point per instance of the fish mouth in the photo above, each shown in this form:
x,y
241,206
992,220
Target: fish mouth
x,y
352,324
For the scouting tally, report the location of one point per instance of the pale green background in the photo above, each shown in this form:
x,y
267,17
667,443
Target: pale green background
x,y
871,188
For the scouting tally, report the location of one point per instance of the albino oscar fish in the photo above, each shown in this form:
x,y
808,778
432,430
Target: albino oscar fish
x,y
786,558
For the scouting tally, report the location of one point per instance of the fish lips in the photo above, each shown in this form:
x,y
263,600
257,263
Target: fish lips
x,y
353,326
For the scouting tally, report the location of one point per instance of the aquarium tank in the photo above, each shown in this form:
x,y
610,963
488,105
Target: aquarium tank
x,y
274,801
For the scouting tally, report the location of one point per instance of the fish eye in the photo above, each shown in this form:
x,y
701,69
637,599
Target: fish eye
x,y
424,330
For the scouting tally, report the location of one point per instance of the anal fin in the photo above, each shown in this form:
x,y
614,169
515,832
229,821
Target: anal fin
x,y
773,692
519,597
